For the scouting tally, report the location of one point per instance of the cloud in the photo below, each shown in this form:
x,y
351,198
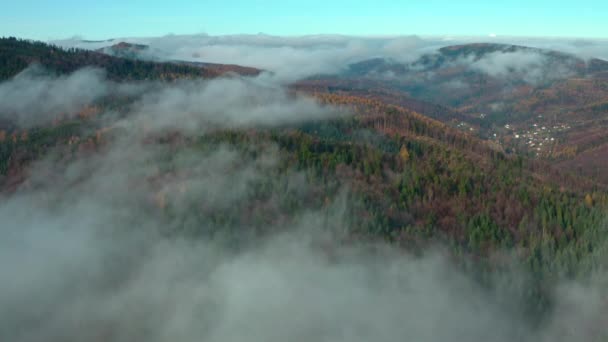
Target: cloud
x,y
292,58
584,48
288,58
226,103
455,84
501,64
34,96
530,66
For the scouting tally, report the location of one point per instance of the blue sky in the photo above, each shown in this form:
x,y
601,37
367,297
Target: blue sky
x,y
55,19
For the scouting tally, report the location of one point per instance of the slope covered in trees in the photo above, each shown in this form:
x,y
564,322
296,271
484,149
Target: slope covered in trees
x,y
416,177
413,179
142,52
542,103
16,55
398,176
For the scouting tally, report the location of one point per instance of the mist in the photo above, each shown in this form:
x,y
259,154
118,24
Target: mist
x,y
292,58
287,58
225,103
86,255
34,97
120,244
530,66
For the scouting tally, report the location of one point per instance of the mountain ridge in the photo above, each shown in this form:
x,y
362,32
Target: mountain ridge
x,y
16,55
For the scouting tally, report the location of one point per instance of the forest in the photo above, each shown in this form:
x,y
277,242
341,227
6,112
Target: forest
x,y
401,178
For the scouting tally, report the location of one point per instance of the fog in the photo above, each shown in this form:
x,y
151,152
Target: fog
x,y
36,97
529,66
288,58
121,244
293,58
33,97
85,258
197,105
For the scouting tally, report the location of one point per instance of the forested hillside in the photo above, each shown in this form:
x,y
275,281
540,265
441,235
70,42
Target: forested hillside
x,y
232,161
16,55
415,180
543,103
416,177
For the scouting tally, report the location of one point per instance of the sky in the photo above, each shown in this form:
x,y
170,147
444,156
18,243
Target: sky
x,y
57,19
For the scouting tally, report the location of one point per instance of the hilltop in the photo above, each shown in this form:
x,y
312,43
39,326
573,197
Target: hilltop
x,y
16,55
142,52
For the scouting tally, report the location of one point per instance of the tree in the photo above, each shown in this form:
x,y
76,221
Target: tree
x,y
404,153
588,200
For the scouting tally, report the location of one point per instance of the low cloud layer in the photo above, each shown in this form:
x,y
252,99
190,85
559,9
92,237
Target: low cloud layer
x,y
227,103
34,97
501,64
529,66
288,58
292,58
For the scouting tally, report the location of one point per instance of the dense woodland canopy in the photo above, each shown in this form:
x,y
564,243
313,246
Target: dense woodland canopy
x,y
413,180
541,103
